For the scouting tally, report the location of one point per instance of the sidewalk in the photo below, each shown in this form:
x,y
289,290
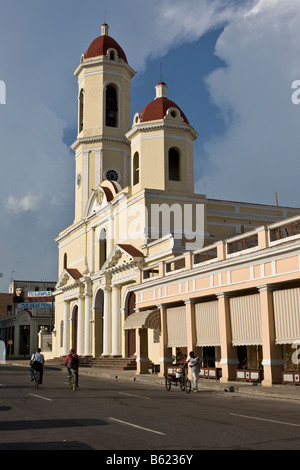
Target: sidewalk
x,y
286,392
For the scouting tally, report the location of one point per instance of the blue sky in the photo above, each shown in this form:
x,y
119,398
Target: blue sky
x,y
229,64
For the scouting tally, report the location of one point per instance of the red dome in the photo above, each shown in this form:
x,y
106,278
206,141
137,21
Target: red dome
x,y
102,44
157,109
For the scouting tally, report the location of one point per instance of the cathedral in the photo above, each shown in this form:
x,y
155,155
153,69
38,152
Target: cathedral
x,y
137,216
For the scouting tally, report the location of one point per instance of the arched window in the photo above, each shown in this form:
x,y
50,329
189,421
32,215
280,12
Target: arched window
x,y
81,104
102,248
65,261
136,168
174,165
111,107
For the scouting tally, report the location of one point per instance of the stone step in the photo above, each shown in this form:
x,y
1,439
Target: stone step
x,y
117,363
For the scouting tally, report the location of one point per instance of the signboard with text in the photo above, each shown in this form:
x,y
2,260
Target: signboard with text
x,y
40,296
34,305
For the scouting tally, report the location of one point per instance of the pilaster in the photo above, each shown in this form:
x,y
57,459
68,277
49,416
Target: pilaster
x,y
228,353
272,354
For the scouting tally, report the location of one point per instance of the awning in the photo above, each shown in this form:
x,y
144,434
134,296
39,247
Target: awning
x,y
176,327
146,319
245,320
207,324
287,315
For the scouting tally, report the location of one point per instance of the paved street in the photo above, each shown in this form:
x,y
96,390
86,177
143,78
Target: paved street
x,y
111,415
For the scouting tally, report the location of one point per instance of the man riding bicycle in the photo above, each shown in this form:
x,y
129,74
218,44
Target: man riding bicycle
x,y
36,363
72,362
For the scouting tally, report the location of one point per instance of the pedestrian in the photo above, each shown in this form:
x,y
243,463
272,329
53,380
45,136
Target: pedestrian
x,y
37,363
72,362
193,362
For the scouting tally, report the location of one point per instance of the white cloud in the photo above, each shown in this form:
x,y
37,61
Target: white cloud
x,y
25,203
259,155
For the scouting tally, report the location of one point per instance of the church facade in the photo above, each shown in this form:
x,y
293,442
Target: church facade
x,y
136,211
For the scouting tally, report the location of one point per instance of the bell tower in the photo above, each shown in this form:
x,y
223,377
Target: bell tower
x,y
162,139
102,152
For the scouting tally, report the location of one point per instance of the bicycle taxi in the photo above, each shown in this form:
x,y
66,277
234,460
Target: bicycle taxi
x,y
177,376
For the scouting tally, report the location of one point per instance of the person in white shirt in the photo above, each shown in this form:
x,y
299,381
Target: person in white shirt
x,y
37,363
193,362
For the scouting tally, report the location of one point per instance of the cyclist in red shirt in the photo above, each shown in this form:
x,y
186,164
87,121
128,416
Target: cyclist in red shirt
x,y
72,362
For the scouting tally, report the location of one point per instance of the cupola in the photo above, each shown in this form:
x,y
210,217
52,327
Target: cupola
x,y
162,107
103,45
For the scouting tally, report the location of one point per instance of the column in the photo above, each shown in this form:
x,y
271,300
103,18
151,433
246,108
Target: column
x,y
87,326
190,324
272,354
229,360
92,250
85,180
106,323
66,329
165,352
80,325
97,167
191,329
116,321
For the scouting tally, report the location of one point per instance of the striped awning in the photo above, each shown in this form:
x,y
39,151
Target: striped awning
x,y
144,319
207,324
176,327
287,315
245,320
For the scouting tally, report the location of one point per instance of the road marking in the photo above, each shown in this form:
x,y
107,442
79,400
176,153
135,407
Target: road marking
x,y
131,395
268,420
138,427
39,396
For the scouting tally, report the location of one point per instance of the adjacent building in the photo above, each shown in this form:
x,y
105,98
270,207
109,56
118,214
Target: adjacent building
x,y
27,309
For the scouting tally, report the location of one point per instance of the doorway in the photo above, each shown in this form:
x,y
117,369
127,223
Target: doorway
x,y
74,327
24,339
99,306
131,338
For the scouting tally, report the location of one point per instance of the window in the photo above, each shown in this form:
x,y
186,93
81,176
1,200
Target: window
x,y
174,165
80,110
112,54
136,168
65,261
111,107
102,248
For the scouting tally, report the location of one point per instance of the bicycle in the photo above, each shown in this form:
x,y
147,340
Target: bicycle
x,y
73,380
37,379
185,384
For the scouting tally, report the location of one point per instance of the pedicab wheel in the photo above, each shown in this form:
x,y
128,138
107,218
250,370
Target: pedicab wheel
x,y
182,386
168,384
188,386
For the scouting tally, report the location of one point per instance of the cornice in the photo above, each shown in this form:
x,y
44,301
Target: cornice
x,y
98,139
161,124
100,61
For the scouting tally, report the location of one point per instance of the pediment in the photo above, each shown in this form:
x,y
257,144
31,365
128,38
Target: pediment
x,y
123,255
101,197
68,277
